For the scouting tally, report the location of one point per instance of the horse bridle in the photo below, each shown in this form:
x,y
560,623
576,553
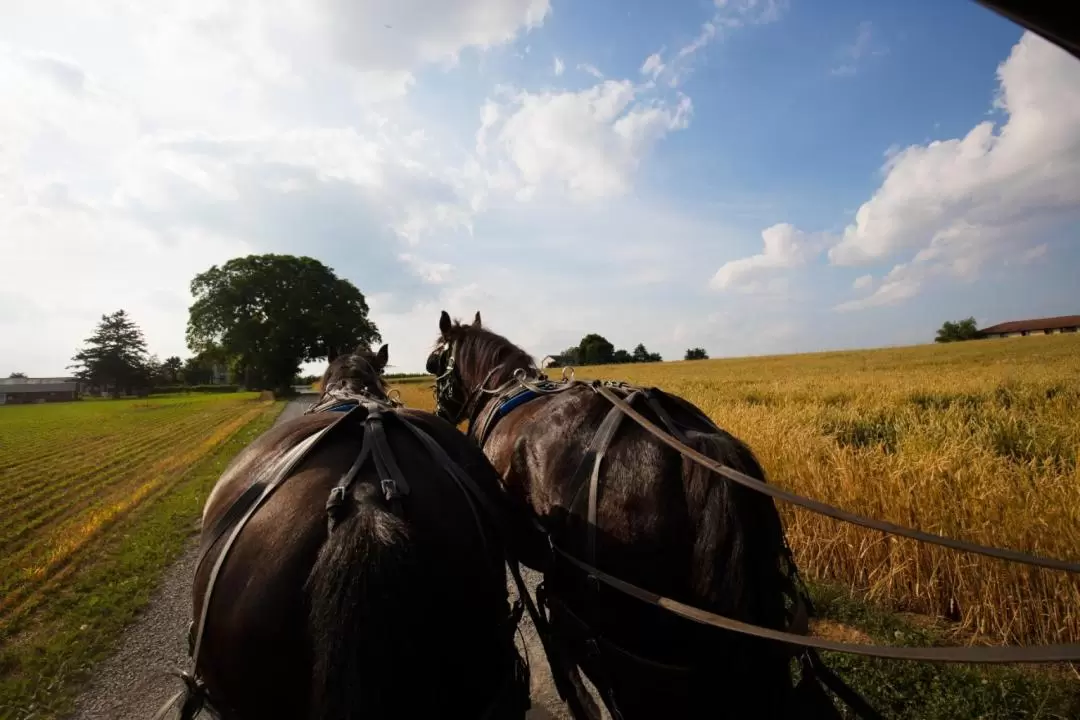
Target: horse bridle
x,y
451,403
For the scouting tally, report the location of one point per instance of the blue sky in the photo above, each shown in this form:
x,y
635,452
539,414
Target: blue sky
x,y
751,176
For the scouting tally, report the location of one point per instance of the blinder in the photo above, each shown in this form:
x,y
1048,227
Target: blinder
x,y
449,399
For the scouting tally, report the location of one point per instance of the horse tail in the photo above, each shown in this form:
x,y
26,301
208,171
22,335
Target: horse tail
x,y
736,565
359,596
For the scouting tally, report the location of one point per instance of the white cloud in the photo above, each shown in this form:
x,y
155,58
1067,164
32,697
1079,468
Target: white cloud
x,y
395,35
727,15
560,66
586,143
1035,253
653,65
902,282
592,70
784,247
863,45
151,143
863,282
960,203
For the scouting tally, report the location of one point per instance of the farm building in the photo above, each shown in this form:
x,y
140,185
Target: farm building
x,y
20,391
554,361
1039,326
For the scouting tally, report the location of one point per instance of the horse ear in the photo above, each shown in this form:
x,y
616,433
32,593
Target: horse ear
x,y
444,323
382,357
476,320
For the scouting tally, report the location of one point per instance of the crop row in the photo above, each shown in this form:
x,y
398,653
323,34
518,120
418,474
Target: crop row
x,y
144,469
46,496
35,439
78,459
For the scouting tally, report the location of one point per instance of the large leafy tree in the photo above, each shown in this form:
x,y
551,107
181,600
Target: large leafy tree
x,y
115,355
957,331
271,312
595,349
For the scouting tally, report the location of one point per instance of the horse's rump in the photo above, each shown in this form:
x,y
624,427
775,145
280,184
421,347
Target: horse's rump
x,y
663,523
369,610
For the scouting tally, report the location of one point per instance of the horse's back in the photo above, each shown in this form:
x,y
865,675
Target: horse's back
x,y
662,523
441,587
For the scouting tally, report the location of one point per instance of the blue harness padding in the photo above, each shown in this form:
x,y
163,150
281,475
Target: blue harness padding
x,y
511,403
342,407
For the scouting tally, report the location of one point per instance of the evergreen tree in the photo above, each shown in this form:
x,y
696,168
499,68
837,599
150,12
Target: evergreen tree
x,y
114,356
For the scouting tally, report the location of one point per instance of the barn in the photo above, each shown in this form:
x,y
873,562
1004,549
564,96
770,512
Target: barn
x,y
555,361
1038,326
22,391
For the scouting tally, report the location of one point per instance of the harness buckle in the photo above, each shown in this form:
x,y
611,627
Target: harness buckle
x,y
336,498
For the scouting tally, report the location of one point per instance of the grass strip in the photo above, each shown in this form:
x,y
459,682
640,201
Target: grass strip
x,y
903,689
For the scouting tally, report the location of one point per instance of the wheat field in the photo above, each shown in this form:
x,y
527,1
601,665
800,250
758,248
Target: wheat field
x,y
977,441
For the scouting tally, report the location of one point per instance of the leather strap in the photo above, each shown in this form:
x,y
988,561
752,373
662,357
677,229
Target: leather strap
x,y
336,500
828,510
394,485
812,665
986,655
285,467
594,457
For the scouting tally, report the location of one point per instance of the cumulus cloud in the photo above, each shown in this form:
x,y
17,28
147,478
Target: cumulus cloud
x,y
586,143
560,66
863,282
397,35
960,203
785,246
172,139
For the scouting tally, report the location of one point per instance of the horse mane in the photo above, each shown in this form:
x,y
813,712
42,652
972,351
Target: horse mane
x,y
353,372
479,350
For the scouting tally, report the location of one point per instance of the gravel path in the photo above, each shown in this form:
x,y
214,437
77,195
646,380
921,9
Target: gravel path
x,y
130,684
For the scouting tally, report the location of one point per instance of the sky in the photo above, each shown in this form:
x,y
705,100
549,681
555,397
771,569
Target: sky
x,y
747,176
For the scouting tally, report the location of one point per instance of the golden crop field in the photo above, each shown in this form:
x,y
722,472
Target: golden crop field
x,y
70,471
975,440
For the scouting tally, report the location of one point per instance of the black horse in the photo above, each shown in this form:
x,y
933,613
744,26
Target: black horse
x,y
617,498
370,584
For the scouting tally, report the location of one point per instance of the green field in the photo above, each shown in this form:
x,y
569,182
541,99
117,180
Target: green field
x,y
98,498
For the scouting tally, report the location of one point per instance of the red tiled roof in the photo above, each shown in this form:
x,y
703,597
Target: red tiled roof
x,y
1050,323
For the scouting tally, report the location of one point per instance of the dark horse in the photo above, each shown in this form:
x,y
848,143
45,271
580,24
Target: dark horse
x,y
658,521
370,584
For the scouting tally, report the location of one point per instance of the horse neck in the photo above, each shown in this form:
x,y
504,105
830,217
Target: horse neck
x,y
492,375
